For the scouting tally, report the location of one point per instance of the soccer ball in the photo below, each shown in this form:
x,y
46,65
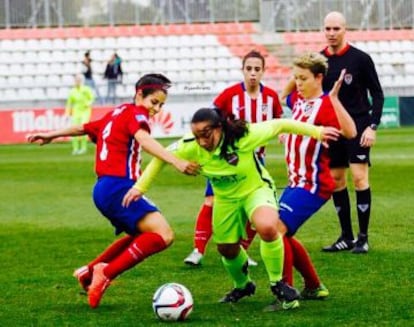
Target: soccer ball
x,y
172,302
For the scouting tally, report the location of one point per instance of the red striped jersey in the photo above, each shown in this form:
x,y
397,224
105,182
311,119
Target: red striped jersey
x,y
307,159
237,103
117,152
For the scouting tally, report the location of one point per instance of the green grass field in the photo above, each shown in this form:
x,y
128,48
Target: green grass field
x,y
49,226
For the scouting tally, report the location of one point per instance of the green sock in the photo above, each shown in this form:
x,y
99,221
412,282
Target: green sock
x,y
75,143
272,255
237,269
84,143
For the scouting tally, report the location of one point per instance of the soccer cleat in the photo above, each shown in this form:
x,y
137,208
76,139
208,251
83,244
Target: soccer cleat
x,y
319,293
194,258
238,293
98,286
287,295
341,244
83,276
361,245
251,262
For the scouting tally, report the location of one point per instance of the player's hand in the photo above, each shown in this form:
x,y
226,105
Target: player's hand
x,y
187,167
335,89
43,138
329,134
368,138
282,138
132,195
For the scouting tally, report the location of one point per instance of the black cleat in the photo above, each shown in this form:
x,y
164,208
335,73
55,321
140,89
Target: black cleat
x,y
341,244
287,295
361,245
238,293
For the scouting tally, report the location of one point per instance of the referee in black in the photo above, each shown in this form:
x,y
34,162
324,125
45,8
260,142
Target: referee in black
x,y
361,80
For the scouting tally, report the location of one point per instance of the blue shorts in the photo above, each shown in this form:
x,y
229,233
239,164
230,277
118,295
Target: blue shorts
x,y
297,205
108,194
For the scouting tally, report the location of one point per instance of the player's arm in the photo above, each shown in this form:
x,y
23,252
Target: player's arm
x,y
265,131
346,123
288,89
154,148
48,137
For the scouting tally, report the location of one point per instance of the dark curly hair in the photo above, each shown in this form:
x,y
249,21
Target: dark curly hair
x,y
233,129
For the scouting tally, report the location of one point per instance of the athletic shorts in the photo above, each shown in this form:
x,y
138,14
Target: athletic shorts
x,y
343,152
230,216
209,188
296,206
108,194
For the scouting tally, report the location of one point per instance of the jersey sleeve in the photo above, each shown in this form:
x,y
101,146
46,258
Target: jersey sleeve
x,y
136,122
327,116
92,129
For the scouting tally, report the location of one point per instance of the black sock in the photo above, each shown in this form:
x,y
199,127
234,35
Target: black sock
x,y
363,200
342,206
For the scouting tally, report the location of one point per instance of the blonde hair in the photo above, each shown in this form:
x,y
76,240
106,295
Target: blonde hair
x,y
314,61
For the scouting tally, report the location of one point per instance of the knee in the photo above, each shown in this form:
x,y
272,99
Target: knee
x,y
167,235
360,182
229,251
268,232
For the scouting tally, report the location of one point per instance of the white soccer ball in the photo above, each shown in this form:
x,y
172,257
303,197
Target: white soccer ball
x,y
172,302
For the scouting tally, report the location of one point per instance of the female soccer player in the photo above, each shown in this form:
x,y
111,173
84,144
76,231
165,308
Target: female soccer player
x,y
243,191
253,102
310,181
120,136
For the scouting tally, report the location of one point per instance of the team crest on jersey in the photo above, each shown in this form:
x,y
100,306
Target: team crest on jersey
x,y
232,158
308,107
141,118
348,79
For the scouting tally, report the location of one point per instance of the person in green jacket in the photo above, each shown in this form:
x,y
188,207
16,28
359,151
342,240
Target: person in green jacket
x,y
244,190
79,109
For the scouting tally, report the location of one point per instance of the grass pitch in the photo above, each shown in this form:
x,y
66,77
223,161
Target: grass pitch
x,y
49,226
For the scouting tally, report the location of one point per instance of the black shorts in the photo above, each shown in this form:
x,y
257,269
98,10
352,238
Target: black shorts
x,y
344,151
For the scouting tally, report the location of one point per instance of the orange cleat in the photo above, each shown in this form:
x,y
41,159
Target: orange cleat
x,y
98,286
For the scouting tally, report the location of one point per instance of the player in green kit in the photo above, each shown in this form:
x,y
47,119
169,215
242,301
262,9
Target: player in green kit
x,y
243,191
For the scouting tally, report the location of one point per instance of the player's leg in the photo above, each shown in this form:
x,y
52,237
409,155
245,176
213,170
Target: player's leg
x,y
203,229
245,243
84,273
297,205
229,226
339,156
261,207
363,203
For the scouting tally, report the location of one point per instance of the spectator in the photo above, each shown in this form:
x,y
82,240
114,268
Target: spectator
x,y
88,75
113,73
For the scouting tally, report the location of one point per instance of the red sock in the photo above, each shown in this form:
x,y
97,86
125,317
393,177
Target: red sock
x,y
112,251
251,233
287,262
203,228
303,263
140,248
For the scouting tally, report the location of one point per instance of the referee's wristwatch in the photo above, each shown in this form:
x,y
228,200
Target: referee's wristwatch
x,y
374,127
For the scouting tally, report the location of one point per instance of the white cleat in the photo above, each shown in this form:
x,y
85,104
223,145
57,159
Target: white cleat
x,y
194,258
